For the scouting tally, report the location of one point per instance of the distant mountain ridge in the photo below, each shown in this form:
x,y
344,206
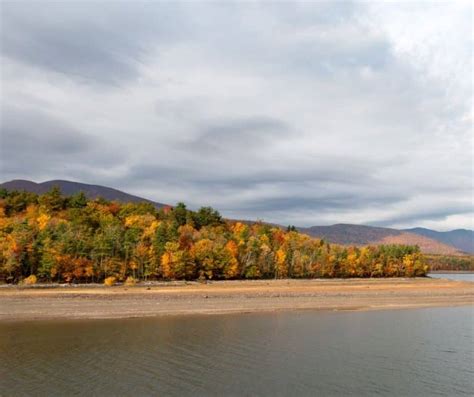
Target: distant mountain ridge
x,y
347,234
462,239
69,188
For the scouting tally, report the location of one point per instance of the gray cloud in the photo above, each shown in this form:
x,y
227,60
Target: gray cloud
x,y
239,135
33,140
321,170
94,42
27,131
322,203
426,215
309,113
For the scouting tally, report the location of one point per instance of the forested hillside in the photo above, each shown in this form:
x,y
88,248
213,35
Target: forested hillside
x,y
451,263
69,188
72,239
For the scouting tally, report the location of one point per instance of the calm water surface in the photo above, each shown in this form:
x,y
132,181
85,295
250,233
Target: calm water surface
x,y
425,352
454,276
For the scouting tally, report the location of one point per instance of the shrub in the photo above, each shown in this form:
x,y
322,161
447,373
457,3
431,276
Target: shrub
x,y
110,281
130,281
30,280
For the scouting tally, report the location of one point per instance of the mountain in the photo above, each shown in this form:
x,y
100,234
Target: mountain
x,y
69,188
462,239
346,234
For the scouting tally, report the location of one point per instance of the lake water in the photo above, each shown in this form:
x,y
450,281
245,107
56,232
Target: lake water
x,y
454,276
422,352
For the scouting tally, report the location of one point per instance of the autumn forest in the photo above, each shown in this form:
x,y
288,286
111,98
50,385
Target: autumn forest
x,y
57,238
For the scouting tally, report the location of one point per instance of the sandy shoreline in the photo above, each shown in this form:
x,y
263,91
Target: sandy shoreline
x,y
97,302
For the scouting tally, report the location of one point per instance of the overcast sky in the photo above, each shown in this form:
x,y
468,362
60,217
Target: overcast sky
x,y
308,113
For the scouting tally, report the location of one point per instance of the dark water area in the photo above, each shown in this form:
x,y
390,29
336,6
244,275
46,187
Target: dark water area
x,y
422,352
456,276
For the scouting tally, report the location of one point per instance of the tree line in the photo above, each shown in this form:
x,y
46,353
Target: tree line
x,y
452,262
61,238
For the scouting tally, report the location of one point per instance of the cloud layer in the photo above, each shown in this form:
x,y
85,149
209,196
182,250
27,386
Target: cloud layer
x,y
293,113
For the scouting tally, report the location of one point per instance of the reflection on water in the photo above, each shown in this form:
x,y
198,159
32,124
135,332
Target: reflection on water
x,y
454,276
424,352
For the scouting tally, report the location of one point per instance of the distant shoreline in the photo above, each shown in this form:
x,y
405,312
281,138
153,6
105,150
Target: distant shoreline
x,y
220,297
450,272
